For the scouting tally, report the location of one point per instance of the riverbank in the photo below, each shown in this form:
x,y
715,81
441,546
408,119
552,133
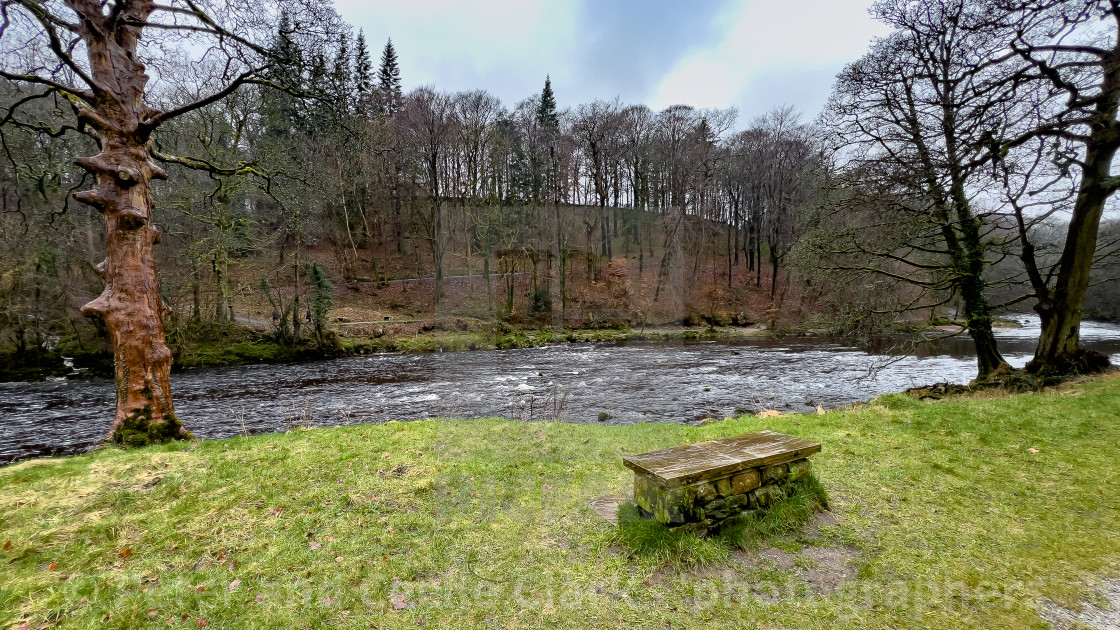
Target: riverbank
x,y
427,335
247,343
236,344
969,512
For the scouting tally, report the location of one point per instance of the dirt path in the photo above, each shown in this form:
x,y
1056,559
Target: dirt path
x,y
1101,614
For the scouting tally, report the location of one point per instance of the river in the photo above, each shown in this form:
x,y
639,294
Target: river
x,y
631,382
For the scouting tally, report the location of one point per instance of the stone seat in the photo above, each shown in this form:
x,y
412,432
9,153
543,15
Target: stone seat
x,y
708,482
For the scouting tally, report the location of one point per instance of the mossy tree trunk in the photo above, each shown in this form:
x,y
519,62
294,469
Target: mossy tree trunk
x,y
130,304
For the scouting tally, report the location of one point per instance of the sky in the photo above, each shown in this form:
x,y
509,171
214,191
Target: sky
x,y
751,54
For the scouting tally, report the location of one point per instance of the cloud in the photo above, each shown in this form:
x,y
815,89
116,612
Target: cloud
x,y
765,49
753,54
625,47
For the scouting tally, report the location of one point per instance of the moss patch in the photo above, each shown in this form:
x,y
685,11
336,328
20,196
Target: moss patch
x,y
139,430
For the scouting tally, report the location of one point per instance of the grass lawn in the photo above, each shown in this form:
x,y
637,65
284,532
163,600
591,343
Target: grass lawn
x,y
961,513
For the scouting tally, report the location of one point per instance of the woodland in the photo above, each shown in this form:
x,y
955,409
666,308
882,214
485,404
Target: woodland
x,y
182,171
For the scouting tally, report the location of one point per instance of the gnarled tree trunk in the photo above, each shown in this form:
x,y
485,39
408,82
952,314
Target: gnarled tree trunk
x,y
130,304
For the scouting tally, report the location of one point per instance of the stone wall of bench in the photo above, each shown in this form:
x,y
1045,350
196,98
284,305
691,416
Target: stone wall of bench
x,y
711,502
703,485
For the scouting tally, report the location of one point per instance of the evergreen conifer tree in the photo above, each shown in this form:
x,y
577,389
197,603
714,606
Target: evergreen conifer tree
x,y
318,81
389,80
363,73
341,87
545,181
546,113
281,112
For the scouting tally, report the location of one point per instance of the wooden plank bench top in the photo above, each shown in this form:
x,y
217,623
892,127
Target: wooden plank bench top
x,y
718,458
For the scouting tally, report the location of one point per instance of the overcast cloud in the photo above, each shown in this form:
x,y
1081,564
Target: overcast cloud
x,y
751,54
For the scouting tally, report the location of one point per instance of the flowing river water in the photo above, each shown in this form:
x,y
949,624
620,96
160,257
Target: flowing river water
x,y
683,381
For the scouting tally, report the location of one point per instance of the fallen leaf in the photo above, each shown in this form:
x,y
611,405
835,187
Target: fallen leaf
x,y
126,552
330,538
276,511
1032,451
327,600
201,622
400,606
52,566
7,545
338,558
152,612
314,545
234,584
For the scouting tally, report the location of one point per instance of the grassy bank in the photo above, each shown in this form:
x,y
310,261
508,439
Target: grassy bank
x,y
960,513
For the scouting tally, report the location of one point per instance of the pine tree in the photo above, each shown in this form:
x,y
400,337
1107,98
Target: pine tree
x,y
545,181
281,111
363,73
317,113
546,112
340,87
389,80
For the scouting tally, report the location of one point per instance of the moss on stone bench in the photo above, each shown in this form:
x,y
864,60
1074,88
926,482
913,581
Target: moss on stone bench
x,y
705,484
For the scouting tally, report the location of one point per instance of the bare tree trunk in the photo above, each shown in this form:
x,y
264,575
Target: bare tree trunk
x,y
486,272
437,254
558,322
130,305
730,247
1061,312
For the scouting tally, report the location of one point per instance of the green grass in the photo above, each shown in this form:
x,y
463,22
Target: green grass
x,y
956,521
652,542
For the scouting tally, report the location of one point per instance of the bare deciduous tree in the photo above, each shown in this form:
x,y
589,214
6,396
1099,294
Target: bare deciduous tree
x,y
94,55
